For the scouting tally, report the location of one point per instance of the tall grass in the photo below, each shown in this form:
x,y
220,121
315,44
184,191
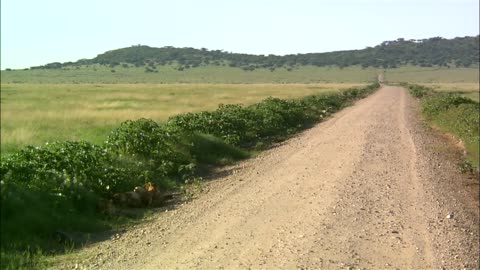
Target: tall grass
x,y
420,75
38,113
453,113
469,90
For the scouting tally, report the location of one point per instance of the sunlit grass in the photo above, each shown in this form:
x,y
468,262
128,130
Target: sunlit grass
x,y
420,75
205,74
97,74
470,90
39,113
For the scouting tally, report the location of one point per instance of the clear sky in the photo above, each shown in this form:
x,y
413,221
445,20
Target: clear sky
x,y
36,32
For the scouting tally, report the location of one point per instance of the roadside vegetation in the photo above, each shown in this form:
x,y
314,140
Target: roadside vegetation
x,y
33,114
469,90
453,113
57,187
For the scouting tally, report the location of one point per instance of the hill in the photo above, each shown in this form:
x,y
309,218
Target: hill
x,y
437,51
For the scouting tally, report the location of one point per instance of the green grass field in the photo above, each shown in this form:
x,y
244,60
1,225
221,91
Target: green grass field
x,y
422,75
470,90
39,113
95,74
203,74
86,103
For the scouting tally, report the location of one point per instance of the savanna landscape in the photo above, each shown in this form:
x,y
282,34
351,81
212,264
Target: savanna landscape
x,y
183,158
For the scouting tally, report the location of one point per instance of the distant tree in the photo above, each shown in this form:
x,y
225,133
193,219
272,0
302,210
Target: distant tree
x,y
54,65
463,51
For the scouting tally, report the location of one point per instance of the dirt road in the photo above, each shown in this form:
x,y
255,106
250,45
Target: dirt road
x,y
369,188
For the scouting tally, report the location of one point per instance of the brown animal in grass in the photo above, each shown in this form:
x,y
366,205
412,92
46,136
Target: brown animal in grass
x,y
142,196
155,195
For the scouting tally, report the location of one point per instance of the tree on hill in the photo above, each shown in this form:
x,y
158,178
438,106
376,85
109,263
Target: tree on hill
x,y
437,51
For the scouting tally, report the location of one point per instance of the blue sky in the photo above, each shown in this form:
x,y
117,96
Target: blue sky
x,y
35,32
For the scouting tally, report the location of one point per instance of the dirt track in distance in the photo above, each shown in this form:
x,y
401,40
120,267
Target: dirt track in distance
x,y
367,189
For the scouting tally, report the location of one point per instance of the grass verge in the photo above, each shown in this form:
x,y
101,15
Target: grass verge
x,y
452,113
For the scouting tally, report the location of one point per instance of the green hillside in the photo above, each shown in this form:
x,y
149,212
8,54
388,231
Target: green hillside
x,y
437,51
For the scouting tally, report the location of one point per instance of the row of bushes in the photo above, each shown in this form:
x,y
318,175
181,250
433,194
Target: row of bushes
x,y
419,91
69,177
452,113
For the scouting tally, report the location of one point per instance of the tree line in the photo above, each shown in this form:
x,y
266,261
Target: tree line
x,y
437,51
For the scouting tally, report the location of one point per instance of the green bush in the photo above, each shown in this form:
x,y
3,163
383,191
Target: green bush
x,y
149,148
419,91
208,149
276,118
230,123
441,102
65,168
455,114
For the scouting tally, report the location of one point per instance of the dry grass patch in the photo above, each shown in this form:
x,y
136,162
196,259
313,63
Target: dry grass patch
x,y
38,113
470,90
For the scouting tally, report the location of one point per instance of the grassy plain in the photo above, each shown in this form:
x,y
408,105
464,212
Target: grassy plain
x,y
470,90
203,74
88,101
413,74
223,74
38,113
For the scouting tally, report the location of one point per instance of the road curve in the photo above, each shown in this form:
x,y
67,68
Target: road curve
x,y
358,191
